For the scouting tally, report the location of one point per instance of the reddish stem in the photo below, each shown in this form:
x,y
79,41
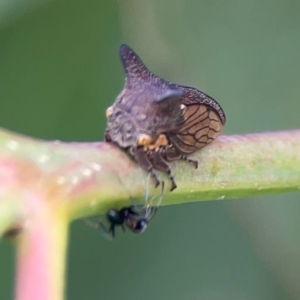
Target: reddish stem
x,y
40,257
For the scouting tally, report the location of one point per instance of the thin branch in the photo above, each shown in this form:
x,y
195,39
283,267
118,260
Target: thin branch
x,y
91,177
44,185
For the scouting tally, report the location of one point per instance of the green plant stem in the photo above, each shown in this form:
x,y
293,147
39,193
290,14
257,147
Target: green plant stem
x,y
91,177
51,183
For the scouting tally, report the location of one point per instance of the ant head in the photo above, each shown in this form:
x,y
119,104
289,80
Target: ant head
x,y
140,225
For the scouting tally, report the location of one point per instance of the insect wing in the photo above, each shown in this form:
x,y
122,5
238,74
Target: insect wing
x,y
203,120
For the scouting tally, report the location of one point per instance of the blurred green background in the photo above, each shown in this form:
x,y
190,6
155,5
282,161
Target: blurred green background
x,y
59,70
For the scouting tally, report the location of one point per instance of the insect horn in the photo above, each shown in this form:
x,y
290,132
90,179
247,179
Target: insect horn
x,y
168,95
136,70
132,64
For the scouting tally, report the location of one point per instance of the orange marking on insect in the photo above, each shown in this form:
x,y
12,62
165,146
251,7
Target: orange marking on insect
x,y
161,141
144,140
109,111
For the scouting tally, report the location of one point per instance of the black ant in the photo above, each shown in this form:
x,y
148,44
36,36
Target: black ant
x,y
134,217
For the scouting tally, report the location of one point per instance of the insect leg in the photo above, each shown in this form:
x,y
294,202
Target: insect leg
x,y
194,162
106,233
172,154
159,163
112,230
153,209
132,211
141,157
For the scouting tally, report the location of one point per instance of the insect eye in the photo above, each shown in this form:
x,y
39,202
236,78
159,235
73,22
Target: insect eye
x,y
141,225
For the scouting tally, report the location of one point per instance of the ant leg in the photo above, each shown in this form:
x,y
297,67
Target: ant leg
x,y
132,211
147,188
142,158
155,208
99,226
112,230
161,164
